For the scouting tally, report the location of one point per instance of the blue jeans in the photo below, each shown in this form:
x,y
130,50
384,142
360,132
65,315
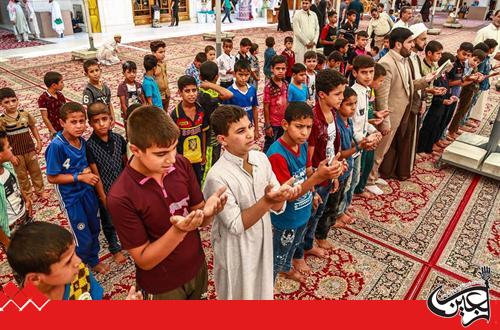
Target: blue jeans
x,y
285,243
109,230
351,184
307,244
277,133
227,15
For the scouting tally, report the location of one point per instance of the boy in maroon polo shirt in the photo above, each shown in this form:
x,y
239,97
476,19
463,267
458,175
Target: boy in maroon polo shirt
x,y
51,101
159,185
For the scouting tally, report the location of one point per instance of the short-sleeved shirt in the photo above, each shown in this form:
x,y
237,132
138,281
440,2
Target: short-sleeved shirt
x,y
108,156
287,163
191,133
268,56
93,94
15,206
290,61
150,88
132,92
296,94
328,33
64,158
194,72
246,100
277,98
18,131
141,211
53,106
83,287
311,86
456,73
346,140
209,101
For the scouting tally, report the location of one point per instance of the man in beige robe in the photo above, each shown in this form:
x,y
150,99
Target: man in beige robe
x,y
305,31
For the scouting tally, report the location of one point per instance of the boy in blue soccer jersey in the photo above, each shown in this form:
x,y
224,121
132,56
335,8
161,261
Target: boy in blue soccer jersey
x,y
289,158
68,170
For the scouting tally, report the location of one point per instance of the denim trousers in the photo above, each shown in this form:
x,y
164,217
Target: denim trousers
x,y
285,242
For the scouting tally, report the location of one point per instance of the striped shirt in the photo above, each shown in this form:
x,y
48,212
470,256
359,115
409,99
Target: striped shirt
x,y
17,128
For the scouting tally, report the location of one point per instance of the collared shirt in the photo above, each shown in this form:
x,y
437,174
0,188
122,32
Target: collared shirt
x,y
379,26
426,69
402,63
17,128
53,105
320,137
141,208
247,100
161,78
5,199
191,132
194,72
360,122
243,259
400,24
150,88
225,63
290,61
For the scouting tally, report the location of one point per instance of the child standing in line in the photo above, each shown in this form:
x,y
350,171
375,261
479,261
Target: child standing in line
x,y
289,54
51,101
289,159
321,65
275,101
254,65
342,46
160,74
297,90
244,52
225,62
18,124
335,61
188,115
329,33
245,95
210,52
68,170
130,90
242,236
193,69
96,90
268,56
310,61
149,86
107,157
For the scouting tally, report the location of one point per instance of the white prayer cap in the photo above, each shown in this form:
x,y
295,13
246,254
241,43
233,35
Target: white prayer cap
x,y
417,29
117,35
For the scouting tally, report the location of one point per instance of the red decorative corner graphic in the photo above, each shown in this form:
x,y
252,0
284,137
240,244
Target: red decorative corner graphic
x,y
12,297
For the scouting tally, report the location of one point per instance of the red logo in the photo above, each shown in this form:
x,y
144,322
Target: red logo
x,y
13,298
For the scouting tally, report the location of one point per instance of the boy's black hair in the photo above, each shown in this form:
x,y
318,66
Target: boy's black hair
x,y
321,58
131,108
201,57
149,126
381,5
479,54
70,107
298,68
399,34
351,12
445,57
386,37
310,54
433,46
340,43
348,92
362,62
157,44
376,49
277,59
403,9
97,108
254,48
335,56
298,110
482,46
287,39
379,71
362,34
185,81
270,41
209,48
245,42
36,246
373,9
225,115
7,92
88,63
3,138
328,79
492,43
242,65
209,71
51,78
391,11
466,46
331,13
129,66
150,62
226,41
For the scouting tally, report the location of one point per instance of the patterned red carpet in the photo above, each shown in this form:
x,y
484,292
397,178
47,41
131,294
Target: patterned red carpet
x,y
8,41
436,228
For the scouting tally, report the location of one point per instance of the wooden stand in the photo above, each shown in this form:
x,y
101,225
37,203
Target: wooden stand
x,y
83,55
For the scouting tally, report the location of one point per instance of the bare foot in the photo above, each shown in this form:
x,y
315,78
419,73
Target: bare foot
x,y
467,129
101,268
366,194
317,251
345,219
324,244
339,224
436,147
301,266
119,258
294,275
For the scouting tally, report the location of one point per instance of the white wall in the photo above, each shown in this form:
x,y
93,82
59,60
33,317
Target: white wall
x,y
115,15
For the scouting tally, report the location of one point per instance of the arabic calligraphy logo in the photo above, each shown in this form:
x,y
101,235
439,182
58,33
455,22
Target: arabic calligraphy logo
x,y
472,300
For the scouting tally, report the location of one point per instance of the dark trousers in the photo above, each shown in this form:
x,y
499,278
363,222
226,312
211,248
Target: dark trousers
x,y
227,15
198,170
277,133
175,16
330,215
226,84
463,107
367,161
431,130
109,230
